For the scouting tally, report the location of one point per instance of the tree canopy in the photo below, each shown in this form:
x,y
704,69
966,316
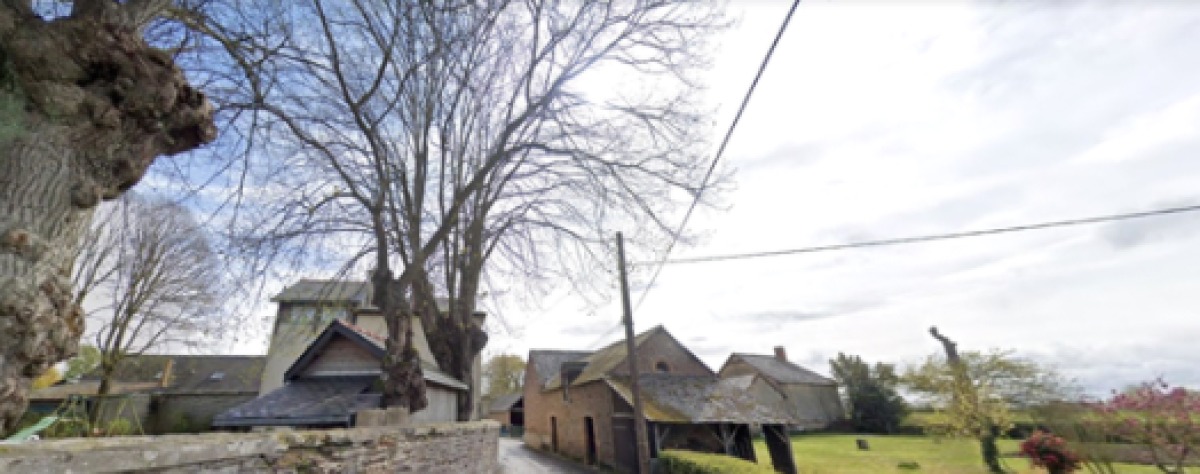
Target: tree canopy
x,y
505,373
871,397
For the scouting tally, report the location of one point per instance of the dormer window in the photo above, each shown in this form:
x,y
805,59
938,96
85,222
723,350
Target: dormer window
x,y
662,367
217,376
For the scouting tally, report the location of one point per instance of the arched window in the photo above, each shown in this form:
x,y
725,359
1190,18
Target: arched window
x,y
661,367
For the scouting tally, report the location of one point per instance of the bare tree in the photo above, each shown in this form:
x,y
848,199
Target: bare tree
x,y
86,105
424,141
150,279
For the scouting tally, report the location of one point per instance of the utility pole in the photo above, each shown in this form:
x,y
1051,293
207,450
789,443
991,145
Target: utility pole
x,y
639,417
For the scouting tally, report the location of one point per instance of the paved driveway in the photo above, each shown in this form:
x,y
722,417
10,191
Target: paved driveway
x,y
515,458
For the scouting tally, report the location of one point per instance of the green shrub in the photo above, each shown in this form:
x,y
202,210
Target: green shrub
x,y
690,462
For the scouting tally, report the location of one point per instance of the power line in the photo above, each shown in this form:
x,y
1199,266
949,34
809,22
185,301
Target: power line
x,y
720,151
936,237
604,336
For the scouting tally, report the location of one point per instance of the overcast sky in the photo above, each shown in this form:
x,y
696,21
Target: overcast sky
x,y
880,120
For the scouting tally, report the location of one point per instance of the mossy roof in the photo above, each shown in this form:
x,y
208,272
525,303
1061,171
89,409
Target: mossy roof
x,y
668,398
603,361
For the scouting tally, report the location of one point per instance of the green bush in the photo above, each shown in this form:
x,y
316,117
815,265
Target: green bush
x,y
690,462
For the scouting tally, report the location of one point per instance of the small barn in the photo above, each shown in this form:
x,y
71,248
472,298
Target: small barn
x,y
160,393
336,377
509,411
811,398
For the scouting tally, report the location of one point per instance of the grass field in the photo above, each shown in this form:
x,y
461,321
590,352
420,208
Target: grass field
x,y
834,454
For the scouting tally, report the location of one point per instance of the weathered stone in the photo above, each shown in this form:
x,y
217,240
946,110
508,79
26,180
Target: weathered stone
x,y
448,448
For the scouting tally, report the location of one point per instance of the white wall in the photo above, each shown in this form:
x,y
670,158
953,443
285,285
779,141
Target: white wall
x,y
443,406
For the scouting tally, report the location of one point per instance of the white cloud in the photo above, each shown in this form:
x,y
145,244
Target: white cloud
x,y
879,120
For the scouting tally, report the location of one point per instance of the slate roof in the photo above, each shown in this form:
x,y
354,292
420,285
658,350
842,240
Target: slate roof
x,y
317,401
669,398
189,373
547,362
335,291
307,291
505,402
604,361
782,371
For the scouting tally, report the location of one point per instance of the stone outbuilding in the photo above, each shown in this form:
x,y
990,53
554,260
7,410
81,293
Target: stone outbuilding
x,y
579,404
158,393
509,411
811,398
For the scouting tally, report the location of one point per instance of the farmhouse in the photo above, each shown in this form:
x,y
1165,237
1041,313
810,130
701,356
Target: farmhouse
x,y
579,404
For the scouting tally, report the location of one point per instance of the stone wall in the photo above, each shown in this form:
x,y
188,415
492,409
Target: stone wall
x,y
436,448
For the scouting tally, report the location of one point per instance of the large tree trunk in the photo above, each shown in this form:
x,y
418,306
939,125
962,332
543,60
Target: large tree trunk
x,y
85,107
403,381
454,338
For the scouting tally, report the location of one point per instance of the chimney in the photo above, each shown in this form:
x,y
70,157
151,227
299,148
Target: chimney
x,y
165,380
780,353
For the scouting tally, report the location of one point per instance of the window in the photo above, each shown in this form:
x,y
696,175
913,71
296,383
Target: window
x,y
661,367
217,376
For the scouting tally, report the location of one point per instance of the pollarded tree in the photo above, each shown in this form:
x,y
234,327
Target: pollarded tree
x,y
85,106
150,279
979,391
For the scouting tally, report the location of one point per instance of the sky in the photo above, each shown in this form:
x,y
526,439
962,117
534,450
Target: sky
x,y
881,119
890,119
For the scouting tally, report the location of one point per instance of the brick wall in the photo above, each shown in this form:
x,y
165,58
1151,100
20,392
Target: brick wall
x,y
593,400
441,448
662,347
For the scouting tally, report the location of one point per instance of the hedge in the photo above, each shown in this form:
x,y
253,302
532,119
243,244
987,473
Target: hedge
x,y
691,462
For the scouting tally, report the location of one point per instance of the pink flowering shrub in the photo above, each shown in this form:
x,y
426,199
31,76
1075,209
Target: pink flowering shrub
x,y
1165,421
1051,452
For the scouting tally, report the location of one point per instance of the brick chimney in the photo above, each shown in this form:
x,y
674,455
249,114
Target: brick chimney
x,y
780,353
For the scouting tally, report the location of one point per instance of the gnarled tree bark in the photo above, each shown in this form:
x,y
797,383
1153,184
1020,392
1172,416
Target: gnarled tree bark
x,y
85,107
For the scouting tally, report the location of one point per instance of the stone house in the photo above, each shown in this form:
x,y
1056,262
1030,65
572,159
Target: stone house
x,y
306,307
336,377
810,397
579,404
162,393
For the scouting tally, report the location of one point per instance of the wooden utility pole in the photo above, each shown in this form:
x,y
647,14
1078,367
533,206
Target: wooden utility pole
x,y
639,418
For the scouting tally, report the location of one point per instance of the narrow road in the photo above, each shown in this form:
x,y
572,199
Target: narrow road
x,y
515,458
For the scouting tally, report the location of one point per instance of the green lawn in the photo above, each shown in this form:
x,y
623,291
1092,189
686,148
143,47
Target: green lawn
x,y
831,454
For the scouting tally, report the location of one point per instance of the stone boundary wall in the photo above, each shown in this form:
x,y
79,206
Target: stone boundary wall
x,y
435,448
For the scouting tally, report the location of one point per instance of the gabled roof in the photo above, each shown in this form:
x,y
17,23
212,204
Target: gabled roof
x,y
373,343
781,371
604,361
316,401
669,398
505,402
547,362
341,291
